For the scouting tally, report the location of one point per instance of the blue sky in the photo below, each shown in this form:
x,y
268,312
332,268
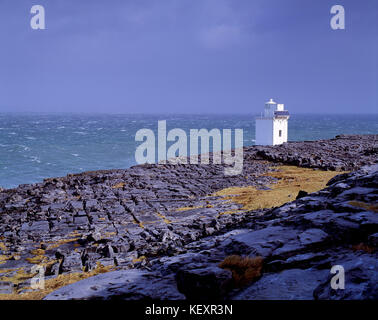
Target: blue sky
x,y
188,56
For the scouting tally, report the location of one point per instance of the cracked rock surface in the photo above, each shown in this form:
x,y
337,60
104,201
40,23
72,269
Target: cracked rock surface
x,y
133,220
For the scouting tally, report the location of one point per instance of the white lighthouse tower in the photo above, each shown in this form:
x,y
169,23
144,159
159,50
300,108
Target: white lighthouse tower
x,y
271,127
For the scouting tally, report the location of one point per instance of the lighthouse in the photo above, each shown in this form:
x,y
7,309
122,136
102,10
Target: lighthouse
x,y
272,125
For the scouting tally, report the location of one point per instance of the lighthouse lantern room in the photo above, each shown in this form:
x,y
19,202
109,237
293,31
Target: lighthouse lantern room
x,y
272,126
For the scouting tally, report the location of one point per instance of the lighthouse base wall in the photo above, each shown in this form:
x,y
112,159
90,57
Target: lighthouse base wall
x,y
270,132
279,131
264,132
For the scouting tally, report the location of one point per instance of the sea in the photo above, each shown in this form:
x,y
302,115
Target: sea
x,y
36,146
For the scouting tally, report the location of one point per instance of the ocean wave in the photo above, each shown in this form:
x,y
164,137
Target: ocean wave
x,y
35,159
26,148
58,144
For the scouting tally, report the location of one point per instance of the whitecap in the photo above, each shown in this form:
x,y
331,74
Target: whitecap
x,y
26,148
80,132
74,154
35,159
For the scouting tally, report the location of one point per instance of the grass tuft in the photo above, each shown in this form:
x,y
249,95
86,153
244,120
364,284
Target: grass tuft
x,y
363,247
244,269
363,205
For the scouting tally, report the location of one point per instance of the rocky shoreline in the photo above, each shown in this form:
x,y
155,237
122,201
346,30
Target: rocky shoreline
x,y
161,232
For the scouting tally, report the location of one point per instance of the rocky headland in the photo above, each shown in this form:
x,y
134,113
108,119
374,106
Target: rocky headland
x,y
187,231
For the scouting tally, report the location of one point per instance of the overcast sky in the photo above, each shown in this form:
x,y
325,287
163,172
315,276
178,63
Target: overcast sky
x,y
188,56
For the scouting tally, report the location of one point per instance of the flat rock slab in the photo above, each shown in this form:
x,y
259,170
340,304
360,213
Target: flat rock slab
x,y
361,279
292,284
122,284
261,242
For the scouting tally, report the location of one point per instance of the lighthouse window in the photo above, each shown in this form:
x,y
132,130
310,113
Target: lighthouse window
x,y
280,133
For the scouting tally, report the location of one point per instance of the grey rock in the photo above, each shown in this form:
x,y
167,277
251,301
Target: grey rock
x,y
312,236
204,283
36,227
292,284
361,280
301,194
120,285
105,222
261,242
373,240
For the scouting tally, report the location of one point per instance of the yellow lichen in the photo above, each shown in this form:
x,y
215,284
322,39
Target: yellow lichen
x,y
38,252
74,234
139,223
37,259
3,246
367,206
291,180
19,276
51,284
6,270
141,258
167,221
231,211
109,234
187,208
4,258
119,185
56,244
40,258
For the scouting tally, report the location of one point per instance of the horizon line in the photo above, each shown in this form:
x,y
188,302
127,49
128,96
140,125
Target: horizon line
x,y
178,113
